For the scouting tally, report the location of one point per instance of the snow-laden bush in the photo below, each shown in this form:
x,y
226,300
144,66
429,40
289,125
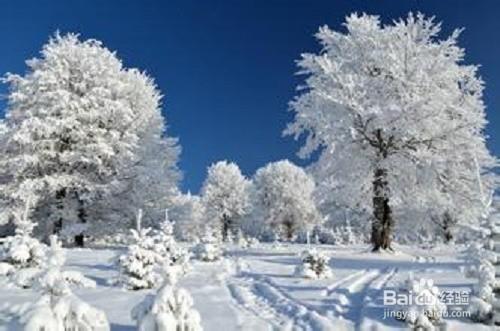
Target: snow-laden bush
x,y
22,250
167,247
6,269
482,268
28,271
58,309
170,309
209,249
338,235
314,264
251,242
117,239
241,240
425,310
138,266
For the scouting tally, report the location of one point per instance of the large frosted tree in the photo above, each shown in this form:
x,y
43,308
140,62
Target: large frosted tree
x,y
284,199
85,139
391,107
226,196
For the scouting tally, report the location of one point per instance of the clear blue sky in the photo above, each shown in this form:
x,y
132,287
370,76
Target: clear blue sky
x,y
227,67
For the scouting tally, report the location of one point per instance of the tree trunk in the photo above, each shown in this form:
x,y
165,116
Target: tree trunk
x,y
288,230
225,228
448,223
383,223
60,196
80,238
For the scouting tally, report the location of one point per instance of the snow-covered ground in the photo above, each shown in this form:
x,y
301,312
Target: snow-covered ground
x,y
256,289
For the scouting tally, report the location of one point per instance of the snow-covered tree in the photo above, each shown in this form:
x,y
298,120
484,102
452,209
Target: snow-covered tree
x,y
225,195
86,138
188,213
151,181
58,309
398,119
284,199
171,309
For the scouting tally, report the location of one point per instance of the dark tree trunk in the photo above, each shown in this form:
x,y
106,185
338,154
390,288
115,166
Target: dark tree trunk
x,y
80,238
60,196
448,223
226,225
383,223
288,230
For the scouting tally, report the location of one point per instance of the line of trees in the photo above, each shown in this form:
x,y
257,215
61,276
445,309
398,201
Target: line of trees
x,y
395,114
277,202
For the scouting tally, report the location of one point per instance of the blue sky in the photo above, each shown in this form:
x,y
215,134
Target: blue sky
x,y
227,68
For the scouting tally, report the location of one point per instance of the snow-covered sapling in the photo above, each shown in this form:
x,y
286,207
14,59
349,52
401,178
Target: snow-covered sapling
x,y
58,309
170,309
314,265
22,250
167,247
6,269
425,310
138,266
209,248
483,269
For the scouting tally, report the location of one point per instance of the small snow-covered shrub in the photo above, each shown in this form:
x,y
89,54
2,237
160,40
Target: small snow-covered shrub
x,y
425,310
207,252
138,266
252,242
111,240
209,249
314,264
77,279
6,269
22,250
167,247
338,235
32,276
482,268
170,309
58,309
481,311
26,277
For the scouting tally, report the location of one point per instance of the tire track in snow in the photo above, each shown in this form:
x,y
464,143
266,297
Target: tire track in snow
x,y
356,294
246,299
263,297
344,295
372,293
332,287
300,316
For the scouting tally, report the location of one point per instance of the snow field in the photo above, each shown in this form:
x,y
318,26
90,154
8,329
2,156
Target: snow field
x,y
256,289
